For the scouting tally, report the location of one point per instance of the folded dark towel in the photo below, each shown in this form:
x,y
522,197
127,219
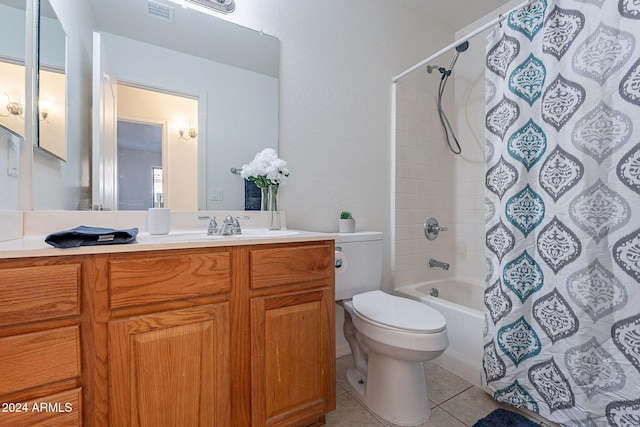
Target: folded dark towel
x,y
90,236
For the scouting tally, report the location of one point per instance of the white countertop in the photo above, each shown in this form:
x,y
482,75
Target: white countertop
x,y
24,231
32,246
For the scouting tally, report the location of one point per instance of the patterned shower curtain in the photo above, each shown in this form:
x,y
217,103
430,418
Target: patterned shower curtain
x,y
562,333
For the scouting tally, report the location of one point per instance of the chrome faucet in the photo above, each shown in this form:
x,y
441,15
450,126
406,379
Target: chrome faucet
x,y
230,226
436,263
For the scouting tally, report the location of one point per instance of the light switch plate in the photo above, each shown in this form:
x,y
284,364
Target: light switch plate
x,y
215,194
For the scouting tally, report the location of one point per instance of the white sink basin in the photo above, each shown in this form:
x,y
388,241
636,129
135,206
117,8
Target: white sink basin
x,y
200,235
264,233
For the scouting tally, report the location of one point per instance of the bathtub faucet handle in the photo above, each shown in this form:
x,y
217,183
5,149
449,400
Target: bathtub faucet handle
x,y
432,228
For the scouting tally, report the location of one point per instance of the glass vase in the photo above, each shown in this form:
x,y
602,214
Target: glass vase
x,y
270,205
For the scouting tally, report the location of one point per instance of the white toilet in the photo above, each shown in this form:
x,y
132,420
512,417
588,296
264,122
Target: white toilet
x,y
389,336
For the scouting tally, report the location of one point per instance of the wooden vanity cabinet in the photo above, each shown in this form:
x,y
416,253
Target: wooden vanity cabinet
x,y
292,334
218,336
169,333
40,356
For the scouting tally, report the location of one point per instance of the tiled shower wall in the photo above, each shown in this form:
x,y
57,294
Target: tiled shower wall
x,y
432,181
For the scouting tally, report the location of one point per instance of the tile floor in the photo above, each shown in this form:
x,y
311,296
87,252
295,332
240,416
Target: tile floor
x,y
454,402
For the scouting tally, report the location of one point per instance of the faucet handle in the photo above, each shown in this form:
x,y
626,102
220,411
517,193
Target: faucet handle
x,y
236,224
432,228
213,224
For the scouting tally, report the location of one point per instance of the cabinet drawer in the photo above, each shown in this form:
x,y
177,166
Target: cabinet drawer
x,y
57,410
288,265
39,358
39,293
151,280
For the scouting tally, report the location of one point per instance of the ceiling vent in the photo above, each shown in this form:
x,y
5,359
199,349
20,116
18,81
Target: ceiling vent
x,y
160,11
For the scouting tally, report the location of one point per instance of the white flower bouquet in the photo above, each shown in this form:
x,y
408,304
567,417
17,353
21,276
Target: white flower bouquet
x,y
266,169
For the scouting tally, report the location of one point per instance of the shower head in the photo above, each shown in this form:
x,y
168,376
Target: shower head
x,y
462,46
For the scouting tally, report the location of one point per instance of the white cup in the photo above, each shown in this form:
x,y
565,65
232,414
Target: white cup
x,y
158,220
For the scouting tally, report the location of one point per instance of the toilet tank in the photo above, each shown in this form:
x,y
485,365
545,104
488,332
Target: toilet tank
x,y
361,270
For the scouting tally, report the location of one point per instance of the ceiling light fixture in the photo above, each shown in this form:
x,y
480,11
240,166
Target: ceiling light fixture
x,y
207,6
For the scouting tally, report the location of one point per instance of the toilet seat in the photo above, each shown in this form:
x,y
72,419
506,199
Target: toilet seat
x,y
398,313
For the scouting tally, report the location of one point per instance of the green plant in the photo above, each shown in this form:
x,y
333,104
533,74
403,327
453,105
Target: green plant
x,y
345,215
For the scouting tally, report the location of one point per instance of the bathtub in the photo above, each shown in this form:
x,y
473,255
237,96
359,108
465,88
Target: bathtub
x,y
461,302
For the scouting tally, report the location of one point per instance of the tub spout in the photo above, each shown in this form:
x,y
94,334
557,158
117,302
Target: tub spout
x,y
436,263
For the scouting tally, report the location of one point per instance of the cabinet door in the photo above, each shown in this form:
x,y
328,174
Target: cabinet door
x,y
171,368
293,377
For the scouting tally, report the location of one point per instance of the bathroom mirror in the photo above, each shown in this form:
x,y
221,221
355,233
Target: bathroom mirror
x,y
232,72
52,91
12,56
12,99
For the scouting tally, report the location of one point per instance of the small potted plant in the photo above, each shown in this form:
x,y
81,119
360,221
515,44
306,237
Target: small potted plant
x,y
347,223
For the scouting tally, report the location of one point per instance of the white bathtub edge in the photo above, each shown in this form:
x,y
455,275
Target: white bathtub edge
x,y
454,359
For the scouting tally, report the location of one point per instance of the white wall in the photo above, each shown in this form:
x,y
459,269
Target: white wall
x,y
9,190
337,60
336,63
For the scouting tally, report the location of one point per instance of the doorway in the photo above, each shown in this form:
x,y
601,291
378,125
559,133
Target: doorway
x,y
140,185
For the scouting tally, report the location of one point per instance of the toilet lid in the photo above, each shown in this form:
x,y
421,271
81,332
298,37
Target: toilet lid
x,y
398,312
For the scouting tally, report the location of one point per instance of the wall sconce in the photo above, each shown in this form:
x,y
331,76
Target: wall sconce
x,y
13,108
44,107
192,133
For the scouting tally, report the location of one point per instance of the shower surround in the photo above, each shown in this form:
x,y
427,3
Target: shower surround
x,y
430,181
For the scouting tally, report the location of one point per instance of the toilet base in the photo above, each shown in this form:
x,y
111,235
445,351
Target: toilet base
x,y
395,390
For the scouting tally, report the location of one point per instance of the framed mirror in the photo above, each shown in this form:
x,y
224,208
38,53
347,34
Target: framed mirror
x,y
231,71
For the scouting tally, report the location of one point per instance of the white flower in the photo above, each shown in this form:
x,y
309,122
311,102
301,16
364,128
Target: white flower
x,y
266,169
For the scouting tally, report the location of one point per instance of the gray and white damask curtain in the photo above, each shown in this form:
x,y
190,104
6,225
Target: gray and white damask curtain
x,y
562,334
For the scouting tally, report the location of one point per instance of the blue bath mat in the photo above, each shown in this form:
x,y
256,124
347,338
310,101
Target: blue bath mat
x,y
504,418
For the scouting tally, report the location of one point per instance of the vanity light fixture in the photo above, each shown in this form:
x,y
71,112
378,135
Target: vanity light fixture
x,y
192,133
207,6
